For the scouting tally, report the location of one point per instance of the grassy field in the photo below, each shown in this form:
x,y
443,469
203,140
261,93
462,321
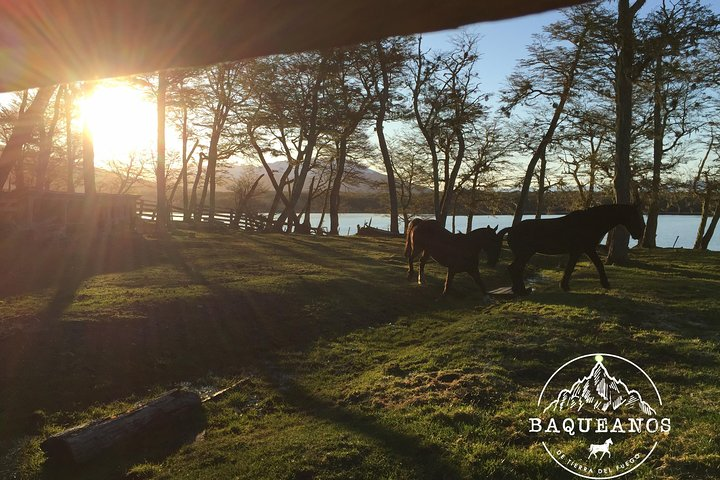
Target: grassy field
x,y
346,370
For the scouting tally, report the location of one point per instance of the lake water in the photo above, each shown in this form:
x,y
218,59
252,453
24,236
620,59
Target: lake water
x,y
670,227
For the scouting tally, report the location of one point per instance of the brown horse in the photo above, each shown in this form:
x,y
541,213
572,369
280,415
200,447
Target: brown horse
x,y
456,251
576,233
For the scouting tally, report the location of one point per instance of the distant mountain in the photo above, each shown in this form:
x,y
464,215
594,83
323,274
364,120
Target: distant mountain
x,y
599,391
368,179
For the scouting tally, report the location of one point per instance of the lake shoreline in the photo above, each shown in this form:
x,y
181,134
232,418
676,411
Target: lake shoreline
x,y
676,229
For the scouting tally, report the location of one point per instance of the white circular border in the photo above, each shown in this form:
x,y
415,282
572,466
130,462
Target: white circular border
x,y
604,355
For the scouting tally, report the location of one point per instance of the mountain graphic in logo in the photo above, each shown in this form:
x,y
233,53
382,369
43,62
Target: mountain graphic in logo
x,y
599,391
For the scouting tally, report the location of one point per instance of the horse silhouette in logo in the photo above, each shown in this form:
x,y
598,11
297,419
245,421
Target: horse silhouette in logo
x,y
603,447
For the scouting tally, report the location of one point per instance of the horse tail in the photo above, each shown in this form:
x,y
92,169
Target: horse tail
x,y
408,235
503,232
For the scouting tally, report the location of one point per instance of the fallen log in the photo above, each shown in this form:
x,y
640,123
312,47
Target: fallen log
x,y
83,443
370,231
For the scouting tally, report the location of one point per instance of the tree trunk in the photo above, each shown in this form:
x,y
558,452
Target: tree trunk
x,y
335,191
46,142
203,197
69,146
192,207
186,160
20,164
22,132
547,138
182,177
162,206
704,214
277,186
211,177
454,215
379,129
448,197
305,159
618,250
88,153
428,135
326,201
650,234
649,237
541,186
711,229
273,225
298,184
306,227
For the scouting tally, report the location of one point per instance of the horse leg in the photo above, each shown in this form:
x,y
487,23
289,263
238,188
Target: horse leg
x,y
476,276
421,268
569,268
411,266
448,280
516,269
599,266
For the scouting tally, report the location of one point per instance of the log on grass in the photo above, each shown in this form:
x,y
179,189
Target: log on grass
x,y
84,442
370,231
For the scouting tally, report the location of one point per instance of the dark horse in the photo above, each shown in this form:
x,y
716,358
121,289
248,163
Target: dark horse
x,y
456,251
576,233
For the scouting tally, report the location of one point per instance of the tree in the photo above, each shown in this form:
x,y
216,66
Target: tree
x,y
706,184
624,79
446,103
182,98
129,171
350,92
11,115
584,147
408,161
163,218
284,117
22,133
246,189
71,92
221,95
45,143
676,34
88,150
388,65
548,75
486,156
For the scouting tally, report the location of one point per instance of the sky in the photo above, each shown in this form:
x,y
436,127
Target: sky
x,y
502,43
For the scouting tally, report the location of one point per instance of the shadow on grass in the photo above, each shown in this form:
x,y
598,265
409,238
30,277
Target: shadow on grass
x,y
68,364
30,265
666,333
426,460
224,332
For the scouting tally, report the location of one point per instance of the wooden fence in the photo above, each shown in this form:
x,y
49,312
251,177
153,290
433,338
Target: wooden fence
x,y
227,216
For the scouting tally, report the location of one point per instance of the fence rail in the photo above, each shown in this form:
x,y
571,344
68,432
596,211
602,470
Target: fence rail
x,y
227,216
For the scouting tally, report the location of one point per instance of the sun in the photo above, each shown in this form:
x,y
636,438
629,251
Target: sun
x,y
121,120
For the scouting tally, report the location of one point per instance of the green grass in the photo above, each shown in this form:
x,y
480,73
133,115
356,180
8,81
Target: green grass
x,y
348,370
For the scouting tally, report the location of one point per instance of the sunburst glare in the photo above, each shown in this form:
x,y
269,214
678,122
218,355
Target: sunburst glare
x,y
121,120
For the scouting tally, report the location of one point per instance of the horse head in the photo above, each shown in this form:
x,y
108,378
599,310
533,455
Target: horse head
x,y
634,221
487,239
